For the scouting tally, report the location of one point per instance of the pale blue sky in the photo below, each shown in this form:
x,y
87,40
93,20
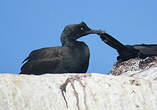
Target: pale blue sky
x,y
26,25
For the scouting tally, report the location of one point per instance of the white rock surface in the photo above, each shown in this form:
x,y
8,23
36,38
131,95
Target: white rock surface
x,y
83,92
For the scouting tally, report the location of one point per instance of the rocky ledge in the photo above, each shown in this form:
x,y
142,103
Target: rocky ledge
x,y
77,92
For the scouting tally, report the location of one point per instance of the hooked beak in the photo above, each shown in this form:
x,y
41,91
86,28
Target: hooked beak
x,y
92,31
99,32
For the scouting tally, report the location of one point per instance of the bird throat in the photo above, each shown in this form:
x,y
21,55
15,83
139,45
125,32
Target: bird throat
x,y
68,41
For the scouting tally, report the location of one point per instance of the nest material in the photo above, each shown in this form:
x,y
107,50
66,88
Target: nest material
x,y
135,64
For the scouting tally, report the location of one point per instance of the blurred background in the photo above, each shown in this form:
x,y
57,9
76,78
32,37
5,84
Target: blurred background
x,y
26,25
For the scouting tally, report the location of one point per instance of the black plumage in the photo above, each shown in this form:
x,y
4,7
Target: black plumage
x,y
72,57
127,52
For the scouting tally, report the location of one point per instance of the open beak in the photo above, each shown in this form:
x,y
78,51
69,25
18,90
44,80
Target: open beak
x,y
95,32
99,32
92,31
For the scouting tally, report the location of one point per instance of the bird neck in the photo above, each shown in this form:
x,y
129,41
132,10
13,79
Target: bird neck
x,y
68,41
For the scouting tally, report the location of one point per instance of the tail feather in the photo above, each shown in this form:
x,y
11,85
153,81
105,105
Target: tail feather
x,y
125,52
108,39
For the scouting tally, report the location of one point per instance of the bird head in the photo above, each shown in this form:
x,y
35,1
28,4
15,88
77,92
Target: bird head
x,y
75,31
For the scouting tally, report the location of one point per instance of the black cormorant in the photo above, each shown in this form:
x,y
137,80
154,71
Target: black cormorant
x,y
127,52
71,57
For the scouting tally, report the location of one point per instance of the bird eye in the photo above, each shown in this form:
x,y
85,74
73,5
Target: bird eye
x,y
82,28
